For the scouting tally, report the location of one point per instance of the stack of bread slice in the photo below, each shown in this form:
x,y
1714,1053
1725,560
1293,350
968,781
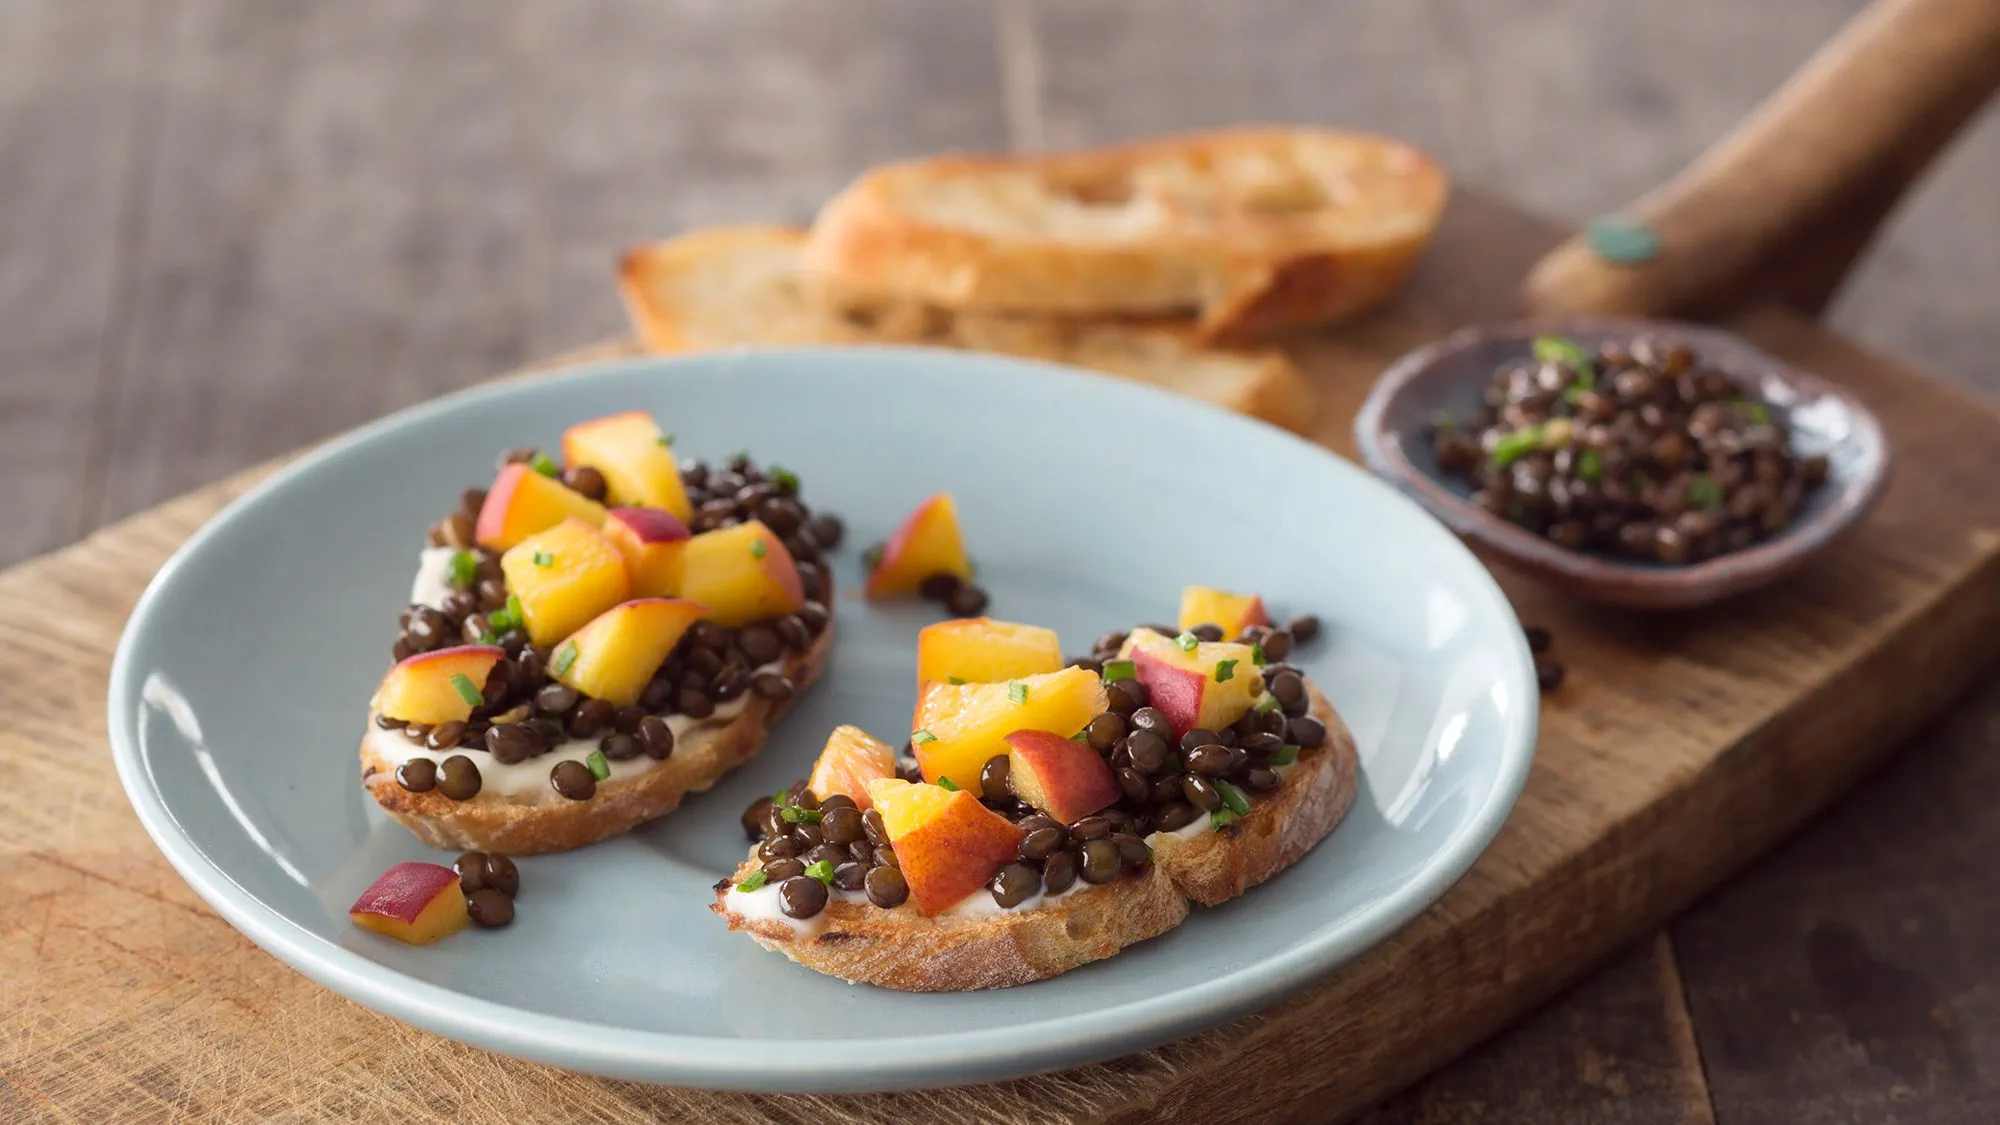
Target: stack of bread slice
x,y
1161,261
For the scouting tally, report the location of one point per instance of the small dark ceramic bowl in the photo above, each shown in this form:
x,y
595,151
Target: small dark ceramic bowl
x,y
1392,433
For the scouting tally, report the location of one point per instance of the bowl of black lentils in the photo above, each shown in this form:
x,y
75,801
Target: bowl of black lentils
x,y
1642,463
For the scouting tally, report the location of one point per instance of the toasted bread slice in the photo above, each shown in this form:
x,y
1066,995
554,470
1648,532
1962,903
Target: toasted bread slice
x,y
900,948
544,821
727,287
1252,230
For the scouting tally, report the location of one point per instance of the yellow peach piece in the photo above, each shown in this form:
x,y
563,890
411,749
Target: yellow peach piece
x,y
522,502
958,727
927,543
980,650
1207,684
1232,613
564,577
852,758
636,459
947,843
615,655
654,543
742,574
440,686
415,903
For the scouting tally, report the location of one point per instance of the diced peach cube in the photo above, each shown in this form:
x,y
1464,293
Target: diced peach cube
x,y
440,686
1206,684
415,903
636,459
947,843
852,758
564,577
958,727
615,655
1060,776
742,574
523,502
980,650
653,542
1203,605
927,543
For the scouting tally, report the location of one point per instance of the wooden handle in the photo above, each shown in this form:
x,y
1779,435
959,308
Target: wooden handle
x,y
1783,205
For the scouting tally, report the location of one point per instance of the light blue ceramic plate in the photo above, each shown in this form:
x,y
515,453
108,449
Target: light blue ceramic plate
x,y
239,693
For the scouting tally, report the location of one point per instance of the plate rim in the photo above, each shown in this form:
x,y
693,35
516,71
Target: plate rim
x,y
817,1065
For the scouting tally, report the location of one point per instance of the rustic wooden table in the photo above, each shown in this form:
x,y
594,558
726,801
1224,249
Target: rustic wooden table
x,y
229,227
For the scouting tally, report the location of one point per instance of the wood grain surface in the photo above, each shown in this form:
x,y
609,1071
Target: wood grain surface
x,y
229,227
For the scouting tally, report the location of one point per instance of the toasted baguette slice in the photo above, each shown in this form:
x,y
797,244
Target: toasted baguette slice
x,y
545,821
727,287
1252,230
902,949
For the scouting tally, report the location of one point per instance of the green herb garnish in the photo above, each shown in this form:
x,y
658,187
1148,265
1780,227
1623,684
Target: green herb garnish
x,y
1116,670
1187,641
871,559
1704,493
821,870
466,689
508,616
1220,819
1752,409
545,559
1233,797
753,880
600,766
1557,349
665,441
544,464
1589,466
1573,394
1082,736
1225,671
1516,445
487,637
757,549
1017,692
784,478
947,783
793,814
955,681
1257,656
1286,755
919,737
464,570
1267,704
1445,423
565,657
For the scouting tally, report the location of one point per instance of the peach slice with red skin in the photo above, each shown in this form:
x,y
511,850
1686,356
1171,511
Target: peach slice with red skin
x,y
1060,776
1207,684
654,543
614,656
926,543
522,502
564,577
959,726
980,650
1232,613
440,686
635,458
852,758
947,843
742,574
415,903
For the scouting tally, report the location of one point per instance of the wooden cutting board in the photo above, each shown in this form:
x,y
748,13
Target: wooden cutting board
x,y
1678,748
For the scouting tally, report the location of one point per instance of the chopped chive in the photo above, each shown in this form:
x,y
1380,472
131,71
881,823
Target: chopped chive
x,y
466,689
565,657
796,815
955,681
1082,736
947,783
1754,410
1589,466
753,880
1286,755
1233,797
919,737
486,637
1704,493
508,616
1017,692
778,798
1257,656
1267,704
1556,349
1516,445
1573,394
1445,423
1225,671
1220,819
757,549
545,559
1116,670
544,464
600,767
665,441
821,870
1187,641
871,559
464,570
784,478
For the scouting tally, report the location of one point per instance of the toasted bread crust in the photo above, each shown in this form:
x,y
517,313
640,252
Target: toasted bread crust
x,y
904,950
541,822
729,286
1253,230
1215,867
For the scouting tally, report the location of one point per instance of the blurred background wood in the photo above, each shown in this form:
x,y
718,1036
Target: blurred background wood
x,y
228,227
